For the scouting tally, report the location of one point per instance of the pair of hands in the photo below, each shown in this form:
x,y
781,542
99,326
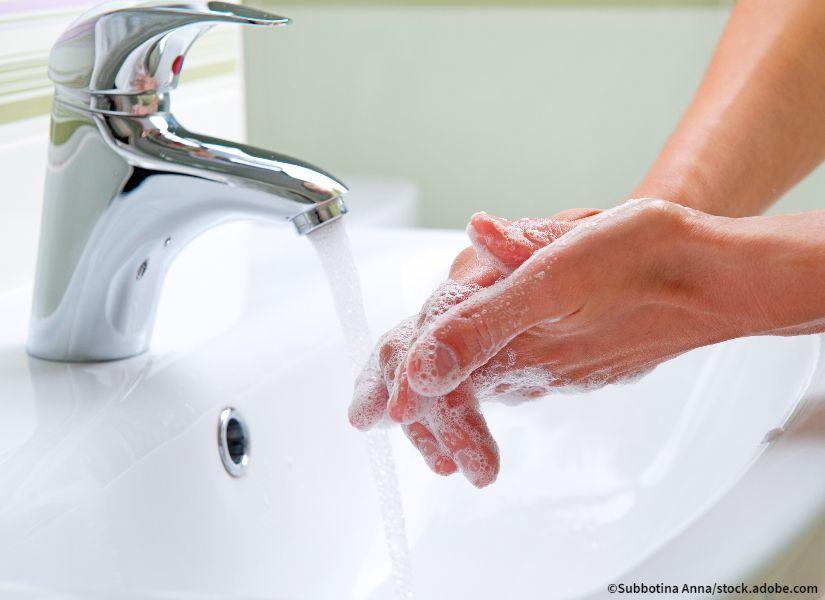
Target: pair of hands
x,y
580,299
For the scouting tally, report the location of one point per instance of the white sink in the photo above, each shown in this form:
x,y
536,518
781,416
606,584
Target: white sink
x,y
112,485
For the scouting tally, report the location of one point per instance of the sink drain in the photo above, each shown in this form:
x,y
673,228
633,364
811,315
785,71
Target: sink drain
x,y
233,442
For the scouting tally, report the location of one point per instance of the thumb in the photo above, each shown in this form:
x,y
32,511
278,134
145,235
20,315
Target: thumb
x,y
471,333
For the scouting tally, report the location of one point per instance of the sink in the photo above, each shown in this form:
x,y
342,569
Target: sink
x,y
708,470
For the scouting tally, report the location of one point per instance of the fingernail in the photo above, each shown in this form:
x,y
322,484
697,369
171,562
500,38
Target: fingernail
x,y
476,468
433,368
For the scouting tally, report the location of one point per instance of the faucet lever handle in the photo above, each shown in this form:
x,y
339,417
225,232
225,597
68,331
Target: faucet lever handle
x,y
139,48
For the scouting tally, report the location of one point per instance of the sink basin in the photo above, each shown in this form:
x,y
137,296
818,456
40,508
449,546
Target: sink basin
x,y
708,470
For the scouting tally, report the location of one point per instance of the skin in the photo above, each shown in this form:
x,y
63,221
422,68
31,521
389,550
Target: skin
x,y
449,430
755,126
588,298
595,310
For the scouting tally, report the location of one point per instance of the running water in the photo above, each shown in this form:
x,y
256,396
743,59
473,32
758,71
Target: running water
x,y
333,248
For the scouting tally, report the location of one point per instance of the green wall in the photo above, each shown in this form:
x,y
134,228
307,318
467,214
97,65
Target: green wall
x,y
517,111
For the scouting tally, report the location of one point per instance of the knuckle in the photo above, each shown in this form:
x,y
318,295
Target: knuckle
x,y
661,211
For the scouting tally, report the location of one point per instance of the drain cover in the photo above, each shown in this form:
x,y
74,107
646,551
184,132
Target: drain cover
x,y
233,442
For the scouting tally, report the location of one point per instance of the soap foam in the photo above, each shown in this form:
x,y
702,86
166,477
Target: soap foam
x,y
447,295
515,386
502,381
459,425
392,348
430,367
371,396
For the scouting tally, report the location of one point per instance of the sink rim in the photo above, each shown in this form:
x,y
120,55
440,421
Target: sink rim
x,y
781,519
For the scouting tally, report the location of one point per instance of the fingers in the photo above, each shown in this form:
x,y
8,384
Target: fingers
x,y
370,396
469,334
455,436
434,453
367,409
507,244
575,214
456,421
369,402
392,348
463,327
499,242
405,405
467,269
371,393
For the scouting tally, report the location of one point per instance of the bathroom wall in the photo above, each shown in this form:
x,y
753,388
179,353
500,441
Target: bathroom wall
x,y
519,110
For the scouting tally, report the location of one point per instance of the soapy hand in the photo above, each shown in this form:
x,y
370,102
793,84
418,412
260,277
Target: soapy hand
x,y
639,284
599,299
449,430
591,298
602,304
377,380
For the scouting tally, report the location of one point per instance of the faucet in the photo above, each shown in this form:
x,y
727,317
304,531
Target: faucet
x,y
127,186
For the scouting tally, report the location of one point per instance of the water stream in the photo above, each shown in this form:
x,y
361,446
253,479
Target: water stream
x,y
333,248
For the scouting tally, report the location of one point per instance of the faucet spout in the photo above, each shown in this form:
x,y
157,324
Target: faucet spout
x,y
296,191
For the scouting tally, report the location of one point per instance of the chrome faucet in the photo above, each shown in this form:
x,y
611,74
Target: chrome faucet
x,y
127,187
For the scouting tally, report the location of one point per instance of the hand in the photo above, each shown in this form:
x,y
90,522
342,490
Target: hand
x,y
608,301
449,431
377,379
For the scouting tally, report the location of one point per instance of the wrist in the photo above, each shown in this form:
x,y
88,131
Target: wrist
x,y
706,270
755,275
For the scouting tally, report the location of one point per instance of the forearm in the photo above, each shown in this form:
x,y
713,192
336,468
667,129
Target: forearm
x,y
756,125
757,275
